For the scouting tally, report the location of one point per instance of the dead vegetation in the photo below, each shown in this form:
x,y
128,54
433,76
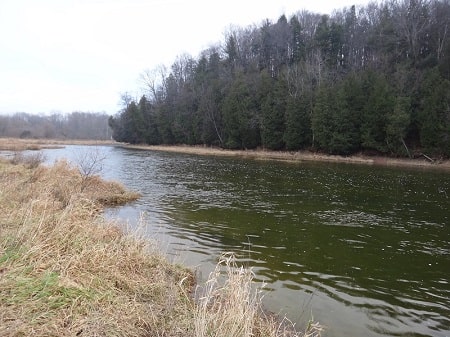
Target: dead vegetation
x,y
229,305
19,144
66,271
30,161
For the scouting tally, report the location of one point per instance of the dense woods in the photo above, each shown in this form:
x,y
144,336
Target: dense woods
x,y
374,79
77,125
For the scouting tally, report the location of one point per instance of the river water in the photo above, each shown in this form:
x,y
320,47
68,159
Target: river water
x,y
365,250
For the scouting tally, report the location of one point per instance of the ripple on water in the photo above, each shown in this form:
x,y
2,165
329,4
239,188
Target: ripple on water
x,y
337,217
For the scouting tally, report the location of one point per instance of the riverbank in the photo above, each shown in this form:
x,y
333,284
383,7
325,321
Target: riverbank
x,y
298,156
19,144
16,144
66,271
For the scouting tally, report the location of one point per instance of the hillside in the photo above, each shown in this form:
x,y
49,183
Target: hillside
x,y
372,79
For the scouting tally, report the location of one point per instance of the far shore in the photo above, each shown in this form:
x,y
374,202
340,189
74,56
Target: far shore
x,y
21,144
15,144
297,156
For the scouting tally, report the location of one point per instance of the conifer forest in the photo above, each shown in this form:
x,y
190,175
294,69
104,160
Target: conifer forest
x,y
372,79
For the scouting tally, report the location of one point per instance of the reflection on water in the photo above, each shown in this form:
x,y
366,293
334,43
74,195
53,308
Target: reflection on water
x,y
364,249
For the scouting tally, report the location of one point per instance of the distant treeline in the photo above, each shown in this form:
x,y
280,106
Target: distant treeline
x,y
77,125
374,79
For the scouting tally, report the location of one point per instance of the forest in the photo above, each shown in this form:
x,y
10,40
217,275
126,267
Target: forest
x,y
372,79
76,125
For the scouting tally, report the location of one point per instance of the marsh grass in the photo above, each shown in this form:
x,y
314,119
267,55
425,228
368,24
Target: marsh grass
x,y
66,271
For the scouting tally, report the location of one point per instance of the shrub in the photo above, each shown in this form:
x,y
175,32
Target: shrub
x,y
30,161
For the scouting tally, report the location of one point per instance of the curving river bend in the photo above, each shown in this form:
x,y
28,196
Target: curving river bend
x,y
364,249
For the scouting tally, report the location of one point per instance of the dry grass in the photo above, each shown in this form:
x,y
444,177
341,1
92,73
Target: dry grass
x,y
18,144
229,309
228,305
66,271
31,161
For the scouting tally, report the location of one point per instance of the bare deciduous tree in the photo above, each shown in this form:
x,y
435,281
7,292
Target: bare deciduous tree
x,y
153,80
90,163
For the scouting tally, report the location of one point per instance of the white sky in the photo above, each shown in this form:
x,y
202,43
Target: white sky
x,y
80,55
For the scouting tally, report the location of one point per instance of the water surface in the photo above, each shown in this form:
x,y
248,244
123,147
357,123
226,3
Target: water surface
x,y
363,249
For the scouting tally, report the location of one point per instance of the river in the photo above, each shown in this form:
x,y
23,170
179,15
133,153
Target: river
x,y
365,250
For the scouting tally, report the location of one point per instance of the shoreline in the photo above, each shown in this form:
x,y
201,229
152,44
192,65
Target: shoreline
x,y
66,270
13,144
19,144
295,156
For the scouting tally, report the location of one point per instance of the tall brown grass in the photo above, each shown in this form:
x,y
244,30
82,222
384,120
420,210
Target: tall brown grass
x,y
66,271
229,305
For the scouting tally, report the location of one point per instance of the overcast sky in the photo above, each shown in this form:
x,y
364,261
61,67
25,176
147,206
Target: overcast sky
x,y
80,55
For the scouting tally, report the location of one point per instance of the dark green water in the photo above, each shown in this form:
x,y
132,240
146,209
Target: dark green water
x,y
364,249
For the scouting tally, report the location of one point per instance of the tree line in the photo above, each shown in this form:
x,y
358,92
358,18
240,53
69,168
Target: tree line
x,y
374,79
76,125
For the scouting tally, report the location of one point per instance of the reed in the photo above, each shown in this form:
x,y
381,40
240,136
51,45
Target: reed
x,y
229,305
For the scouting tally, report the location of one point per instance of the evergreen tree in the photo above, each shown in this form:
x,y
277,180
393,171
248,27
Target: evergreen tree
x,y
335,126
136,127
322,119
329,39
240,120
434,115
380,102
297,44
353,99
298,122
164,121
273,109
344,135
151,133
397,125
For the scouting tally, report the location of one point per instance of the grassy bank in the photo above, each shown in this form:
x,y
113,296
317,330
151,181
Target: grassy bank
x,y
299,156
66,271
